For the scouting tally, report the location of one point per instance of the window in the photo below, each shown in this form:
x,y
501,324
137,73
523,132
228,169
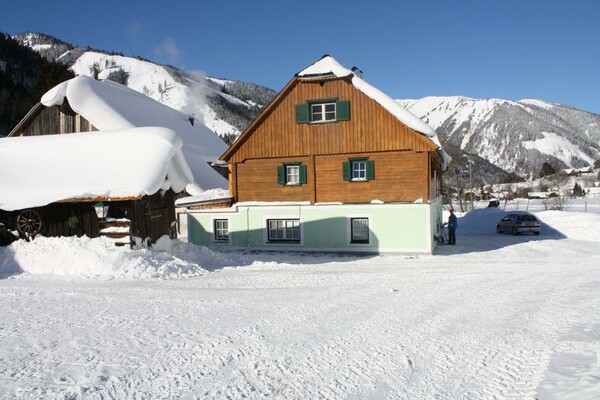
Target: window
x,y
322,110
358,170
291,174
221,230
359,230
283,230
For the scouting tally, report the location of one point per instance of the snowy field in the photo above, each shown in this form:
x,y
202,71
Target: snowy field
x,y
494,317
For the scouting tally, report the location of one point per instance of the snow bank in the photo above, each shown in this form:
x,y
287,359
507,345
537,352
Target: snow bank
x,y
98,257
39,170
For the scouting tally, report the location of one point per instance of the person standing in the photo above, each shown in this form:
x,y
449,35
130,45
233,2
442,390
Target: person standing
x,y
452,225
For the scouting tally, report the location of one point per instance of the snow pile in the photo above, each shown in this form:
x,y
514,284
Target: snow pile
x,y
109,105
99,257
38,170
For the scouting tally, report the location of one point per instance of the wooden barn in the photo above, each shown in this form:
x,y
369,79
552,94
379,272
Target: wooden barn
x,y
120,184
331,164
83,104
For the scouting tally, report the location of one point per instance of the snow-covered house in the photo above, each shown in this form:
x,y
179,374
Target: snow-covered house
x,y
331,164
59,124
51,183
85,104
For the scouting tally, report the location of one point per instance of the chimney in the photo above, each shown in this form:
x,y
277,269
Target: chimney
x,y
191,118
357,72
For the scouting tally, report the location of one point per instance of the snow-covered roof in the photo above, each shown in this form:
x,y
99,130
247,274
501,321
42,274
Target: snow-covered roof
x,y
39,170
109,105
206,196
329,66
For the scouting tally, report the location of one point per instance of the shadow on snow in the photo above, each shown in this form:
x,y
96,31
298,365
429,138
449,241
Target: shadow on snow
x,y
477,233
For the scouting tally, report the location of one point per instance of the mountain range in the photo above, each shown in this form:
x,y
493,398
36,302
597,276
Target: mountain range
x,y
490,140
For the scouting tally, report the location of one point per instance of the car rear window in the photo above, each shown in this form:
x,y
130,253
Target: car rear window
x,y
527,218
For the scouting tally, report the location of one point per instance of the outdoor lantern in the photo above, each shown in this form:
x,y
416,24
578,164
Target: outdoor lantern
x,y
101,210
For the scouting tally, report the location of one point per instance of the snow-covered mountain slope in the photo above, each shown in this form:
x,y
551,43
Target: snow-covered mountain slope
x,y
225,106
517,136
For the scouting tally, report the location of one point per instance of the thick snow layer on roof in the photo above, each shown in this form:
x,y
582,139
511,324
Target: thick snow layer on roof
x,y
109,105
207,195
38,170
328,65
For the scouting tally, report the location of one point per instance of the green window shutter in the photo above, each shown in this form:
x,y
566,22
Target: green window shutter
x,y
302,113
302,174
281,174
347,172
370,170
342,110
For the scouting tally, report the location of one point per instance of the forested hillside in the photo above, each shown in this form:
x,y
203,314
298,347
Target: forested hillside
x,y
24,77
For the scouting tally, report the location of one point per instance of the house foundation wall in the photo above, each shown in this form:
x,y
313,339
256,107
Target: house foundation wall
x,y
392,228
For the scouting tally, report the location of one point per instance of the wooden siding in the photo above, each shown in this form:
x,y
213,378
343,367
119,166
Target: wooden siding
x,y
150,217
370,128
399,176
257,181
53,120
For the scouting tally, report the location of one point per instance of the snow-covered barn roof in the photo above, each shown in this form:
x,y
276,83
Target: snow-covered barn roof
x,y
39,170
109,105
330,66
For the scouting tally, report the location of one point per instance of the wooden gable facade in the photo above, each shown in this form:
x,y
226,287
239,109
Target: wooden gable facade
x,y
405,165
42,120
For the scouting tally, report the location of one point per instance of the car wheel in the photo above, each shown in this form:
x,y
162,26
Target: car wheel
x,y
514,231
498,229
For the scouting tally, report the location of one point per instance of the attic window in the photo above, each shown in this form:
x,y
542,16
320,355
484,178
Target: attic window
x,y
322,111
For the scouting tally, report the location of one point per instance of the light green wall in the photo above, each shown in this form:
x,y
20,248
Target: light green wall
x,y
399,228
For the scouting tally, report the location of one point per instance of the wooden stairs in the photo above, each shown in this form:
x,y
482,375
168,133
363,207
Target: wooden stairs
x,y
116,229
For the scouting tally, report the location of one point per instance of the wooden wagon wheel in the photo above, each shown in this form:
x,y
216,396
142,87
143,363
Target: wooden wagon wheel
x,y
29,223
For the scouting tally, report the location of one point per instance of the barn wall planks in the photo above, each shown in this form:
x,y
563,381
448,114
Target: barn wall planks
x,y
151,216
54,120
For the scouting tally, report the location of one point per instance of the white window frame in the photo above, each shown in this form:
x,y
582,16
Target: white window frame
x,y
362,170
287,226
320,109
215,236
292,175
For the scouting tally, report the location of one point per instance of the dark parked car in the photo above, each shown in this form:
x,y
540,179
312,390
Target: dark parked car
x,y
519,223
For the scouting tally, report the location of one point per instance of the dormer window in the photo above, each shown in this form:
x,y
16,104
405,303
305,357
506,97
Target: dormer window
x,y
322,111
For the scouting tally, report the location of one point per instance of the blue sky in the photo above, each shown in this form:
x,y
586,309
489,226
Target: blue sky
x,y
548,50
